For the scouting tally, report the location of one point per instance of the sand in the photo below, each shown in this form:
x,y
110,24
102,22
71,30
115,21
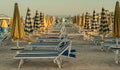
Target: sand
x,y
89,57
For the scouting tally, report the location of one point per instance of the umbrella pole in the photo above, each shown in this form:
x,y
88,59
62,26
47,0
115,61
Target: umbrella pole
x,y
102,47
17,43
17,46
103,37
29,36
116,42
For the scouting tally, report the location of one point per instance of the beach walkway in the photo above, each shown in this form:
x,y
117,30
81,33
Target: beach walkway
x,y
89,57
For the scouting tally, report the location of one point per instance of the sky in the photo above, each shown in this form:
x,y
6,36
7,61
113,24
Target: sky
x,y
56,7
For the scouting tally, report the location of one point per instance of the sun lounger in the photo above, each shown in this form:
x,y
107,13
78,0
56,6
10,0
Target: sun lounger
x,y
51,35
96,39
110,43
42,54
43,44
51,39
39,43
117,54
38,52
58,29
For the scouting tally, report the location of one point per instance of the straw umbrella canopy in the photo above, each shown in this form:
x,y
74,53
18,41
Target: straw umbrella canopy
x,y
104,27
28,23
94,25
36,22
17,31
116,24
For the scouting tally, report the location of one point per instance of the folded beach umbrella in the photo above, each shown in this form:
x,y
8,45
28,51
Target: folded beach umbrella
x,y
28,23
52,18
74,19
94,24
104,27
43,22
36,24
116,24
82,20
78,20
17,31
110,20
87,22
42,19
71,20
36,21
48,21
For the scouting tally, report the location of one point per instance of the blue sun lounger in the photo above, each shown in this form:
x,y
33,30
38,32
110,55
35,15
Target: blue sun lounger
x,y
41,43
44,44
110,43
55,55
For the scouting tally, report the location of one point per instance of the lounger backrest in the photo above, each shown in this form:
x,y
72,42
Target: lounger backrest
x,y
63,48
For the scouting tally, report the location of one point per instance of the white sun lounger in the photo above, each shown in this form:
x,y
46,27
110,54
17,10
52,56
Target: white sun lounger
x,y
112,44
117,54
43,54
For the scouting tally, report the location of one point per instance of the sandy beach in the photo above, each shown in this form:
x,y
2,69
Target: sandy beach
x,y
88,57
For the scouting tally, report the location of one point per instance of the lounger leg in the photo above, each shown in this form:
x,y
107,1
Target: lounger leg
x,y
59,64
54,61
20,63
17,52
33,48
116,56
69,51
60,59
102,46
